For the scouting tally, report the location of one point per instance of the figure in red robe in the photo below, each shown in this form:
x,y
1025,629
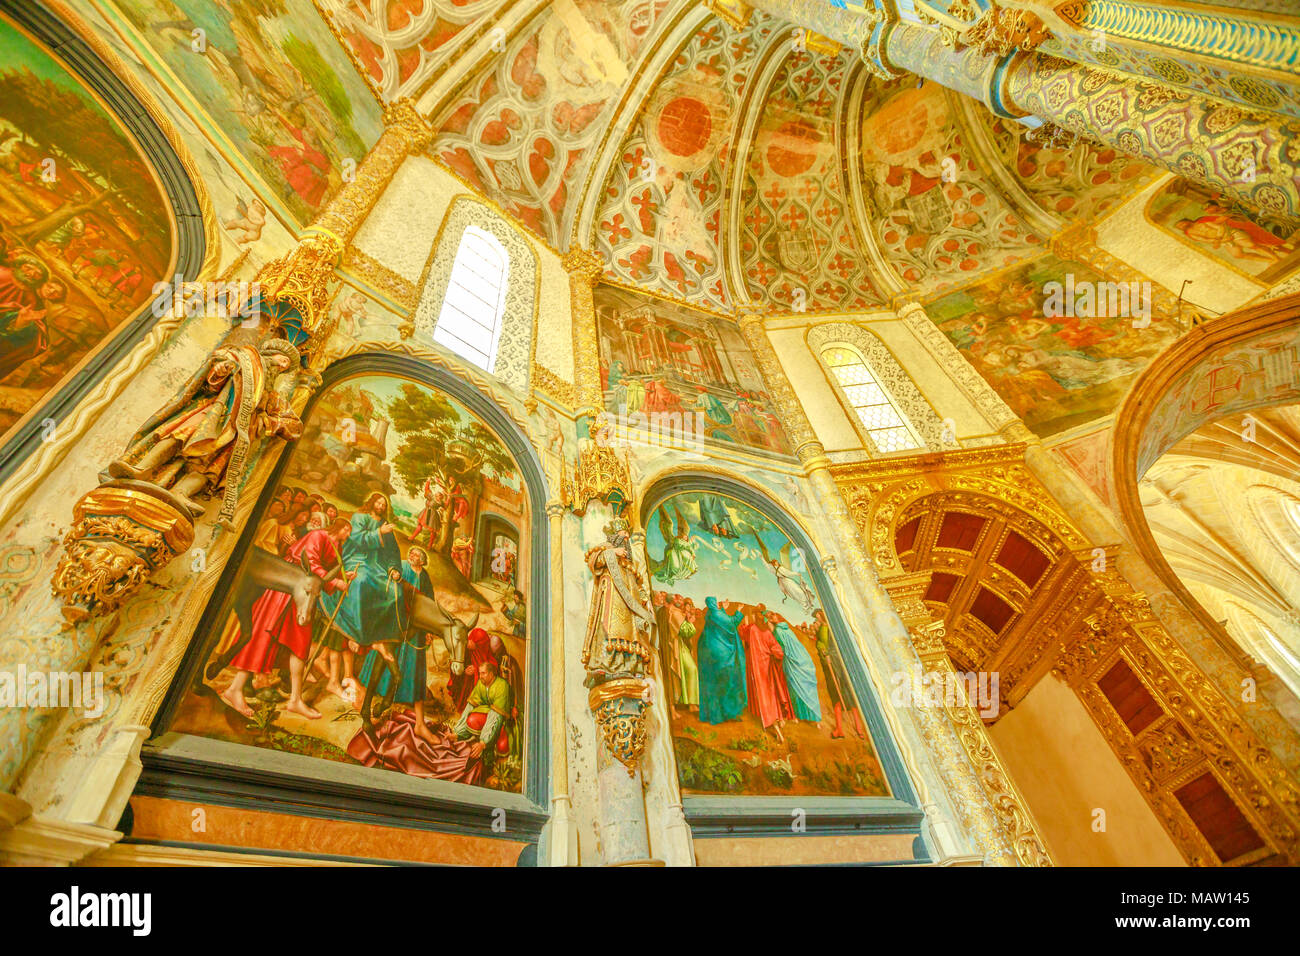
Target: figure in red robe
x,y
477,650
305,167
275,621
769,695
660,398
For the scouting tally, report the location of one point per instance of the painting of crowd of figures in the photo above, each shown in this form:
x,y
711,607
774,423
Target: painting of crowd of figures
x,y
379,615
761,700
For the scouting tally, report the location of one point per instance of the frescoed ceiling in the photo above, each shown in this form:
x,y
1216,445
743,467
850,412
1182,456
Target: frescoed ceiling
x,y
797,241
403,44
524,122
728,161
660,221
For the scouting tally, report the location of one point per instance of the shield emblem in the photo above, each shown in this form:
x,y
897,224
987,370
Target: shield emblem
x,y
930,210
797,252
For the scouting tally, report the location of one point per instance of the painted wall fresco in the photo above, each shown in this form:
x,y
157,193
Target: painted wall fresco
x,y
1056,372
659,224
658,358
84,231
1210,224
379,617
275,81
522,129
761,702
938,219
796,231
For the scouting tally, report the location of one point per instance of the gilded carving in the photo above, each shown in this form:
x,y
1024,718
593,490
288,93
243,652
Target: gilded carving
x,y
123,531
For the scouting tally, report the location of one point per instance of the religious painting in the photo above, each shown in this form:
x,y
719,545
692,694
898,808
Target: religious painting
x,y
379,617
275,81
84,229
1212,224
682,375
760,697
1057,364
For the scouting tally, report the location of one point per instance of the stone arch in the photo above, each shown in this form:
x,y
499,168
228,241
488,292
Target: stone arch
x,y
890,374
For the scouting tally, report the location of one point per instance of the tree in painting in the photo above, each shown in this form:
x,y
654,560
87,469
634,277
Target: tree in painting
x,y
83,232
361,628
274,80
760,699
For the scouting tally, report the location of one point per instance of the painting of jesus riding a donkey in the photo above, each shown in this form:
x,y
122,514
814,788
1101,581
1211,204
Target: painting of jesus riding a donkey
x,y
360,627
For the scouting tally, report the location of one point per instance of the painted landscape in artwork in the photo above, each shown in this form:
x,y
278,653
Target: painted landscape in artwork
x,y
275,81
760,698
84,232
1055,371
379,617
672,365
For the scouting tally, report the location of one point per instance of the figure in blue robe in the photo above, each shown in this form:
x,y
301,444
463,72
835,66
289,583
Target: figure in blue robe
x,y
369,611
412,653
721,659
713,408
800,674
714,515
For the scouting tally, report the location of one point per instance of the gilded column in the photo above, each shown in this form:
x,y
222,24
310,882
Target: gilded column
x,y
584,268
997,832
299,286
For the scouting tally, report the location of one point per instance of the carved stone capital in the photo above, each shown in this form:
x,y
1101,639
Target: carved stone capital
x,y
402,117
583,264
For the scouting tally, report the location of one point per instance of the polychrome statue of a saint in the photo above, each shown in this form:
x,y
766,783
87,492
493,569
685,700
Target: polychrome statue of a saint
x,y
199,441
618,642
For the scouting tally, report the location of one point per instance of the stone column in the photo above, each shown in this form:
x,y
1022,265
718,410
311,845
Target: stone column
x,y
562,834
618,707
980,816
1227,148
1247,155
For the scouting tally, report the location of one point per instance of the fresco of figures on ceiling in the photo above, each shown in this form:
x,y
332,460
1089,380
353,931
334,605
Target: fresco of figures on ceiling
x,y
760,699
682,374
275,81
380,614
1209,223
84,232
1055,371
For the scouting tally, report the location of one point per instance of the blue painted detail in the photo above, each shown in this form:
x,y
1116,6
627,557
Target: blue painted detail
x,y
770,816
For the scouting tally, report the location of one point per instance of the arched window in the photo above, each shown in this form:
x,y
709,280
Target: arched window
x,y
470,321
888,430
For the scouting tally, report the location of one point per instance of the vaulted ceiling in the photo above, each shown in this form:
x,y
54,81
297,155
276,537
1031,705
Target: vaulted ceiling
x,y
730,165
